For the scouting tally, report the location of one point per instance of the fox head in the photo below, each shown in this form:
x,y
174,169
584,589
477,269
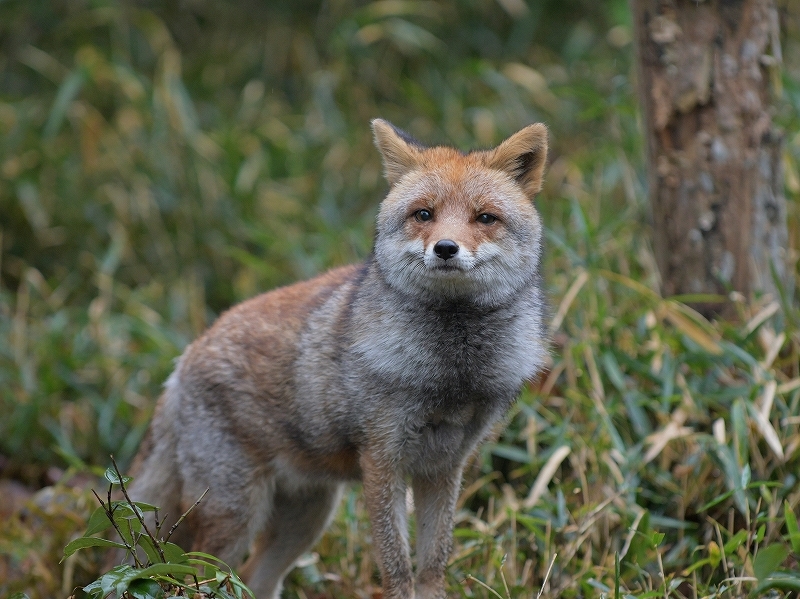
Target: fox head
x,y
460,227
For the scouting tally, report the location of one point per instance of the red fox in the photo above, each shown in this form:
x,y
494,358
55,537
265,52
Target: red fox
x,y
389,372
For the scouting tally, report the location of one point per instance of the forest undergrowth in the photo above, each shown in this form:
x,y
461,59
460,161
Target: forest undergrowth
x,y
148,182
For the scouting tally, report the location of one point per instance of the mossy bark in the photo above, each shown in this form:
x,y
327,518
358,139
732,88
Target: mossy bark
x,y
714,170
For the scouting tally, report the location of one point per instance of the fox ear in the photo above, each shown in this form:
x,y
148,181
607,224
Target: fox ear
x,y
400,151
523,156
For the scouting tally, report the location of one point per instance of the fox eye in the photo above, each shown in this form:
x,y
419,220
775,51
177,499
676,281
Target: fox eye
x,y
423,215
486,219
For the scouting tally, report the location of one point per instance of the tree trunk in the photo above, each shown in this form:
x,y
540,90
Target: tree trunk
x,y
716,188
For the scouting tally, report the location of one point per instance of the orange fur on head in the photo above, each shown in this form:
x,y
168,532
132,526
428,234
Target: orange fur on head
x,y
523,156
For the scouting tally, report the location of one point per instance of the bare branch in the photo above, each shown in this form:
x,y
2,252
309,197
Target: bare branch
x,y
186,513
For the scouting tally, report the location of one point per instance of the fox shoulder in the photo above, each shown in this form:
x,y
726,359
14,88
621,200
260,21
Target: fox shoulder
x,y
268,326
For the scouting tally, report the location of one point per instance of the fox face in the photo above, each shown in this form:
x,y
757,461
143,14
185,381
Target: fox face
x,y
460,227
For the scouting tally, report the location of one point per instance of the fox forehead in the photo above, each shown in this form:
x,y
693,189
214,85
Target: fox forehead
x,y
448,181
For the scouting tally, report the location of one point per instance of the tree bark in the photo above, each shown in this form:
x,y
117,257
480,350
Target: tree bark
x,y
714,170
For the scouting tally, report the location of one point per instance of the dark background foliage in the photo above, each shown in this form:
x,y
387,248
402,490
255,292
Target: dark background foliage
x,y
162,161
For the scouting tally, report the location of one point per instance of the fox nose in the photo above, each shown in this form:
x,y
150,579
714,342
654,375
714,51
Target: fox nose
x,y
445,248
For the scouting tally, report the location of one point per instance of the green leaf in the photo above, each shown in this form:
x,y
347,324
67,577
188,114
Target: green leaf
x,y
741,431
150,550
611,366
146,589
208,556
791,527
174,554
111,476
167,570
735,541
98,522
94,589
239,586
130,529
762,530
115,580
697,565
745,476
67,92
123,509
718,499
84,542
781,580
19,596
768,560
509,452
636,414
649,594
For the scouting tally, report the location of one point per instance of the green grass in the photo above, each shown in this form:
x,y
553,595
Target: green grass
x,y
157,166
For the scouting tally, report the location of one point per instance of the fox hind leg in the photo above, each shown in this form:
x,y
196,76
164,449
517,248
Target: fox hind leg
x,y
298,518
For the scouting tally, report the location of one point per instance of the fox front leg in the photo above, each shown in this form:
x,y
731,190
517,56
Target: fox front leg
x,y
385,492
434,502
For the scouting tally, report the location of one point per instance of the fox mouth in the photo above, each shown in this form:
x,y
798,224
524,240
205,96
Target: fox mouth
x,y
447,270
449,267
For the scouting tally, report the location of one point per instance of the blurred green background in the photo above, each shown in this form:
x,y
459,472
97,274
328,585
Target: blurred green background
x,y
160,161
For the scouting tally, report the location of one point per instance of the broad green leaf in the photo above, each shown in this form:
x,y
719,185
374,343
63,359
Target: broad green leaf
x,y
150,550
94,589
123,509
781,580
173,553
768,560
84,542
112,581
146,589
129,528
98,522
111,476
167,570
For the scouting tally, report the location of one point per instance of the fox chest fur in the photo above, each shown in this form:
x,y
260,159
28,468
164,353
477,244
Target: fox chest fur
x,y
426,378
